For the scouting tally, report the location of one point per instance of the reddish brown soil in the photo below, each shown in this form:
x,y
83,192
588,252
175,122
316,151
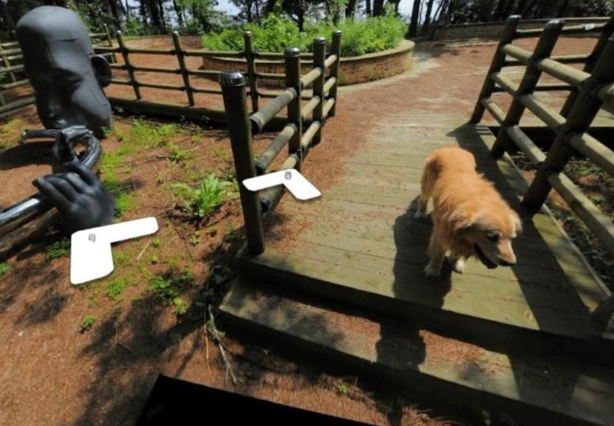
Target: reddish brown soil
x,y
55,373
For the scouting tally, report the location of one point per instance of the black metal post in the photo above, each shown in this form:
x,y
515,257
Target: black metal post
x,y
319,57
240,130
292,58
334,69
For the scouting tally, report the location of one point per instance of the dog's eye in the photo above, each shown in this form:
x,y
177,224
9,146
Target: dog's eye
x,y
493,237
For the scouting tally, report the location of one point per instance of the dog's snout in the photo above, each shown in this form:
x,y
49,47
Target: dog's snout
x,y
507,262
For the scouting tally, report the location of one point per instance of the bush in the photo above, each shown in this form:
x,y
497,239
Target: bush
x,y
275,33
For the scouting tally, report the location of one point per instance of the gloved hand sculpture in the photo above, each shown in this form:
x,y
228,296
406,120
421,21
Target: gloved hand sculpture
x,y
83,202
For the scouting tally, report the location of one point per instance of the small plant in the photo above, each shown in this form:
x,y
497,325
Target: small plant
x,y
156,242
58,249
180,306
154,259
4,268
195,238
202,201
88,322
160,178
116,288
163,287
176,154
342,389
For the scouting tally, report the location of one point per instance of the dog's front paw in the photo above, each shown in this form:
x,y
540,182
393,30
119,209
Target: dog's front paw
x,y
459,266
432,270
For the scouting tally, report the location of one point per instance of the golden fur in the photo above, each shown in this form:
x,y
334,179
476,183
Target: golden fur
x,y
469,216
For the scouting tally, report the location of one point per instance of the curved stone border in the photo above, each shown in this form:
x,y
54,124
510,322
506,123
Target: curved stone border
x,y
353,70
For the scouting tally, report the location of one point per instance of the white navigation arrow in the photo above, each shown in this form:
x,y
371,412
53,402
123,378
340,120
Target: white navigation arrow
x,y
294,182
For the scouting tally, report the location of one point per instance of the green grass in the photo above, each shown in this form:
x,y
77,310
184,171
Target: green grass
x,y
88,322
116,288
202,200
58,249
5,268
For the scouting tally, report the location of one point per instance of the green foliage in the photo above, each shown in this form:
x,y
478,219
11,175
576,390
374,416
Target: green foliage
x,y
203,200
5,268
57,249
116,288
275,33
88,322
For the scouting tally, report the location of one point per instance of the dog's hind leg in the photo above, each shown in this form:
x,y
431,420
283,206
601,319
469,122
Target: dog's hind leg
x,y
437,254
426,190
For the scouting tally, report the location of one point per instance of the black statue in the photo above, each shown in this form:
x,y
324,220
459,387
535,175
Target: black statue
x,y
66,74
68,79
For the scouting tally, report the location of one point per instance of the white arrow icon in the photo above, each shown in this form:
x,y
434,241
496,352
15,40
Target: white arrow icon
x,y
294,182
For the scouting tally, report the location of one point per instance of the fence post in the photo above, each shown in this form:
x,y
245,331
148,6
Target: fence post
x,y
7,63
110,42
183,69
319,58
250,58
334,69
292,58
590,63
580,118
544,47
125,54
240,130
507,36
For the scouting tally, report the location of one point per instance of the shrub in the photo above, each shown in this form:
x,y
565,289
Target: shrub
x,y
275,33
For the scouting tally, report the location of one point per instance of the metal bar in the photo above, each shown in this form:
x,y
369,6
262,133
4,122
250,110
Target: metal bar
x,y
554,87
138,68
204,73
330,61
211,53
595,151
205,90
270,153
580,118
310,106
252,76
591,61
576,29
563,72
526,145
240,130
271,76
507,36
292,61
319,62
310,77
494,110
334,70
126,55
183,69
313,128
261,118
564,59
162,86
123,82
328,106
519,53
600,224
545,45
552,119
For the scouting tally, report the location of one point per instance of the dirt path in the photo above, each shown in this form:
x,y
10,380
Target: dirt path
x,y
54,374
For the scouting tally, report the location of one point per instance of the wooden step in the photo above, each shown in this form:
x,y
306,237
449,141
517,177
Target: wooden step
x,y
531,387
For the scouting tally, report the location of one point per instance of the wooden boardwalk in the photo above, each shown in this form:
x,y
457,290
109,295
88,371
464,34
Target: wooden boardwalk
x,y
351,280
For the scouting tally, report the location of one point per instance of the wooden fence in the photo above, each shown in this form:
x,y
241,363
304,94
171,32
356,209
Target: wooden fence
x,y
299,134
248,56
588,88
12,76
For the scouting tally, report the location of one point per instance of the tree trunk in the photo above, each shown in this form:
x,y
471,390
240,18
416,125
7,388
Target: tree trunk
x,y
413,23
116,18
368,7
378,7
427,16
6,17
178,12
564,8
162,19
350,9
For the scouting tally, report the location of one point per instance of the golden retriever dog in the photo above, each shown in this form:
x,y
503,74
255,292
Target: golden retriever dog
x,y
469,216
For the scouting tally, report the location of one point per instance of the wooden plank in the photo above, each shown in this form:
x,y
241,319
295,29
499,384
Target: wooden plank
x,y
539,389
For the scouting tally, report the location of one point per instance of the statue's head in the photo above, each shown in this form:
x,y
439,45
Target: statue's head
x,y
66,74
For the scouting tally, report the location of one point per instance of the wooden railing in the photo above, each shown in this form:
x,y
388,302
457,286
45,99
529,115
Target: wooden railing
x,y
12,76
300,133
588,89
248,58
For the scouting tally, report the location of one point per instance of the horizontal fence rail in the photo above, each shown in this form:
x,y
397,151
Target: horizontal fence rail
x,y
12,75
300,133
589,88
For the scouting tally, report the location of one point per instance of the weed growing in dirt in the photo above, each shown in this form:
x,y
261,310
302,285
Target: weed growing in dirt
x,y
88,322
176,154
156,242
204,199
116,288
148,134
167,287
57,249
4,268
